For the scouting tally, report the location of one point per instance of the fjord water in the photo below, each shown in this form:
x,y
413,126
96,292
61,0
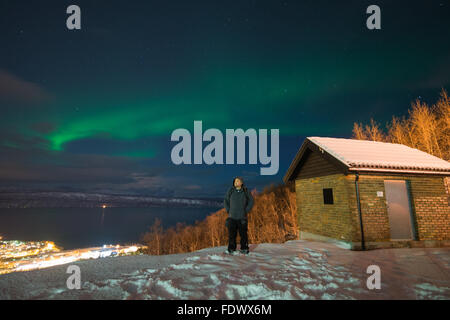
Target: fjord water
x,y
73,228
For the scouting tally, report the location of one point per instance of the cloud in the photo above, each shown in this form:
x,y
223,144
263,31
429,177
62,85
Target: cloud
x,y
30,166
26,163
14,89
43,127
192,187
16,139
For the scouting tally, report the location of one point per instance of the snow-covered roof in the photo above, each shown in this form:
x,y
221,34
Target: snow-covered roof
x,y
376,156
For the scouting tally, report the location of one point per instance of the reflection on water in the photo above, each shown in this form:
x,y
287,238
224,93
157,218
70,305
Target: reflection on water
x,y
103,216
88,227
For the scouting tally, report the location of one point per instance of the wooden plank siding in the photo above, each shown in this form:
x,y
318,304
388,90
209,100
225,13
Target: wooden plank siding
x,y
314,165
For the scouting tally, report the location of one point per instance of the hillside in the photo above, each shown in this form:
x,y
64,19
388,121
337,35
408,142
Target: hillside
x,y
295,269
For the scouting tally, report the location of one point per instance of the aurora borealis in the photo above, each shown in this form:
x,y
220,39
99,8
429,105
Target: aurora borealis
x,y
93,109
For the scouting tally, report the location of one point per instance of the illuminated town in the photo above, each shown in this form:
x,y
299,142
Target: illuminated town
x,y
29,255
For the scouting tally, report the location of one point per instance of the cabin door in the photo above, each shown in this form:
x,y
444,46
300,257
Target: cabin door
x,y
398,209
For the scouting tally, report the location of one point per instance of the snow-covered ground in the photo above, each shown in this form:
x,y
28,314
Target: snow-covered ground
x,y
293,270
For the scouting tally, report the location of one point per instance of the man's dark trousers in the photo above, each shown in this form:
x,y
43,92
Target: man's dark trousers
x,y
233,227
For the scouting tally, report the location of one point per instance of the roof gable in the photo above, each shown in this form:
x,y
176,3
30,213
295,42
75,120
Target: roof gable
x,y
302,154
314,164
363,155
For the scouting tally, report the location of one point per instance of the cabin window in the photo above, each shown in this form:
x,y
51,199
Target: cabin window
x,y
328,196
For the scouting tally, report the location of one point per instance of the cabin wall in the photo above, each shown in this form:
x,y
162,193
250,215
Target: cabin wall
x,y
373,208
340,221
430,206
329,220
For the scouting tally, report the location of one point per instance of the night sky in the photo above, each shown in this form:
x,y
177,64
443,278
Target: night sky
x,y
93,109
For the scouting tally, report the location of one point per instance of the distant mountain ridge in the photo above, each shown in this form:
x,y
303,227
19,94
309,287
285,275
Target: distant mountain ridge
x,y
56,199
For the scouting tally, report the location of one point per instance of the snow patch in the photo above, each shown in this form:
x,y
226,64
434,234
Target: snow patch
x,y
298,269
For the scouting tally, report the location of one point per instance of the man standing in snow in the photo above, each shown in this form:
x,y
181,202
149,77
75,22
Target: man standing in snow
x,y
238,203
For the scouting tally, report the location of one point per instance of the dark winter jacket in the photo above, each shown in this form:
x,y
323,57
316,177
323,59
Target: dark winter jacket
x,y
238,203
